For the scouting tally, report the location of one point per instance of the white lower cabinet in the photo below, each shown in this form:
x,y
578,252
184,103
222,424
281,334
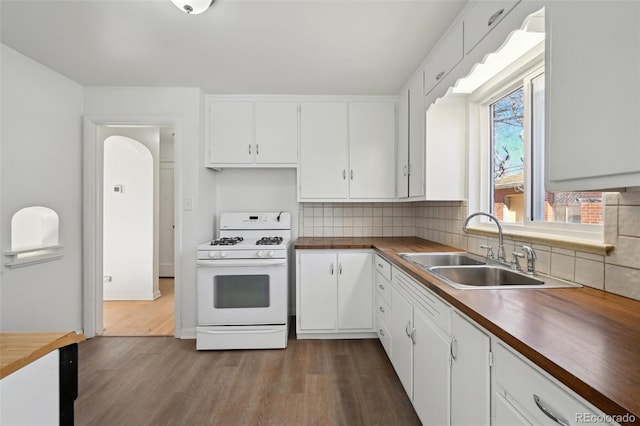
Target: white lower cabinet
x,y
523,394
334,293
421,348
470,373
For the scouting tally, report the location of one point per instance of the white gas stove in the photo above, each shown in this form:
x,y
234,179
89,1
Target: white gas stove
x,y
242,283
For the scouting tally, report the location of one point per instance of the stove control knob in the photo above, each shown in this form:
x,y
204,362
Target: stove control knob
x,y
212,254
270,253
223,254
260,253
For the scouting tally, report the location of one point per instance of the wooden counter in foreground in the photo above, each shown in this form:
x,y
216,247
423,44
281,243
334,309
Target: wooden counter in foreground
x,y
586,338
20,349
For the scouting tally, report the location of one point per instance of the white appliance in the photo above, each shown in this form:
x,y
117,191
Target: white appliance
x,y
242,283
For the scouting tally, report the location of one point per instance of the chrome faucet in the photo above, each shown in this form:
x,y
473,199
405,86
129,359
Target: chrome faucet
x,y
531,259
500,237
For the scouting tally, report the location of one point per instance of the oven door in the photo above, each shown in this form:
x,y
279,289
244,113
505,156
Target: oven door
x,y
242,292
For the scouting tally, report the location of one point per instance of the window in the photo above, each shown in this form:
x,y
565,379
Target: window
x,y
507,113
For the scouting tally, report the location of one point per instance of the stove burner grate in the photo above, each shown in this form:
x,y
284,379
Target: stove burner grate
x,y
226,241
269,241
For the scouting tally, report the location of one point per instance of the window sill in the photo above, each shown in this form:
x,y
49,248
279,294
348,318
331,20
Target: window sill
x,y
564,242
19,258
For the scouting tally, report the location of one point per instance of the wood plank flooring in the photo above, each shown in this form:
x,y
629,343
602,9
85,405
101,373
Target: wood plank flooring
x,y
142,317
165,381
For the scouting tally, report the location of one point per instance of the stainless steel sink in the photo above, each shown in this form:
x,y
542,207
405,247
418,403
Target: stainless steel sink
x,y
442,259
485,276
467,271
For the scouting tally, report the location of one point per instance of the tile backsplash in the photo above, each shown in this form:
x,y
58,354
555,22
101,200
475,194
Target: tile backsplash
x,y
441,222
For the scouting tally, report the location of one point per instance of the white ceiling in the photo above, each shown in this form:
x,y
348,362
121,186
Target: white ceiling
x,y
352,47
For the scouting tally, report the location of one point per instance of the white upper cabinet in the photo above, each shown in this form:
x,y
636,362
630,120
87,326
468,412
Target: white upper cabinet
x,y
276,133
444,58
593,108
410,162
446,162
347,151
481,17
324,153
252,133
372,150
230,132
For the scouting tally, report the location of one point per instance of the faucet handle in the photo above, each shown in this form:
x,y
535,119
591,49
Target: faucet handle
x,y
531,259
515,260
489,250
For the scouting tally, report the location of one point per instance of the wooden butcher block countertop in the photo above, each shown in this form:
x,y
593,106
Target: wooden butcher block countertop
x,y
586,338
20,349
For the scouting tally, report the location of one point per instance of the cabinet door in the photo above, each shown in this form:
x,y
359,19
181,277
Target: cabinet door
x,y
276,133
593,81
401,344
470,385
402,175
231,132
446,56
446,161
323,151
355,291
481,18
430,372
416,137
318,291
372,128
506,415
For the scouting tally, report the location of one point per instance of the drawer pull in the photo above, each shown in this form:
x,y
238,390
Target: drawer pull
x,y
548,412
494,17
440,75
381,331
381,309
381,286
380,265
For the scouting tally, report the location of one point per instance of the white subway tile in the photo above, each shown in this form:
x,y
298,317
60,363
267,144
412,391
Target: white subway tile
x,y
622,281
590,273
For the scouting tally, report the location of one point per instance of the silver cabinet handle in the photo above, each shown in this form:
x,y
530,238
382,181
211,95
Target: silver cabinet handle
x,y
440,75
547,412
454,352
494,17
257,149
249,149
408,169
344,174
331,269
380,265
381,286
412,336
381,331
406,329
340,268
351,174
381,309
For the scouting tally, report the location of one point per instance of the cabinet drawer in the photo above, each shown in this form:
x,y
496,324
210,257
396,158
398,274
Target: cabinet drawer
x,y
444,58
383,267
383,312
532,393
434,308
383,288
385,337
481,18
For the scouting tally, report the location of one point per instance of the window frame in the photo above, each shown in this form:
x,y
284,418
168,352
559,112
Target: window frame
x,y
519,73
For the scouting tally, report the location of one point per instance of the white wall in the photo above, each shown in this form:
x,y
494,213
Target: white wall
x,y
128,219
41,149
195,182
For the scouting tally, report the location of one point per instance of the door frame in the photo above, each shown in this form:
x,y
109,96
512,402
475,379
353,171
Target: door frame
x,y
92,215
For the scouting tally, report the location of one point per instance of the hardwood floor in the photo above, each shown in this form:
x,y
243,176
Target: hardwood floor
x,y
165,381
142,317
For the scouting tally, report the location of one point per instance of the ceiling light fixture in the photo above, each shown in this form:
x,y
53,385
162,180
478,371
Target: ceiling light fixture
x,y
192,7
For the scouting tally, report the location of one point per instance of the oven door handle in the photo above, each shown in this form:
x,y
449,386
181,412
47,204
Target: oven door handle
x,y
248,330
241,262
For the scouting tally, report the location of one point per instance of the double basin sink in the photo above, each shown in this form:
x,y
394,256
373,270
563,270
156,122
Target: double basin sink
x,y
467,271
